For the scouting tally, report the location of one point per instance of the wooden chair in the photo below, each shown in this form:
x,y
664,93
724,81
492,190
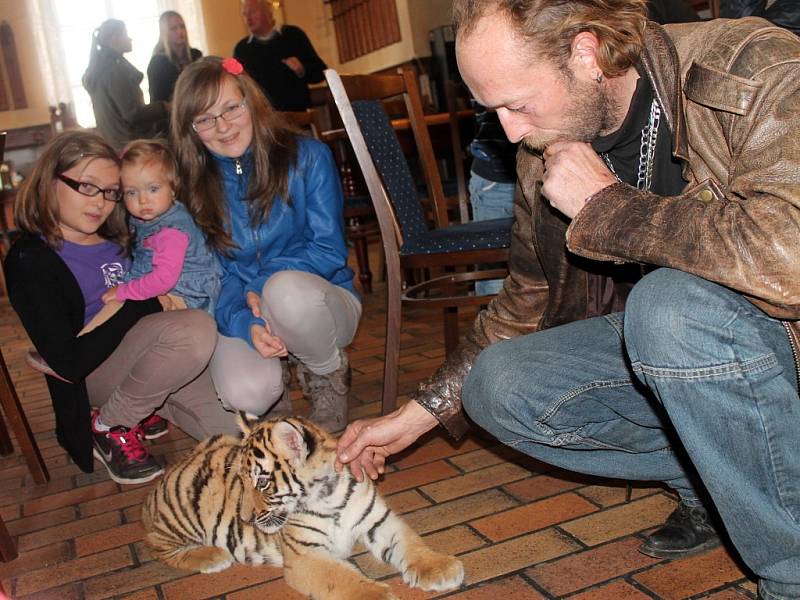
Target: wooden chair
x,y
62,118
452,91
4,227
8,551
409,241
19,425
358,212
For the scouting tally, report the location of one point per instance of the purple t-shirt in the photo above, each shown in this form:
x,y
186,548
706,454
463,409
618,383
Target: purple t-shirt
x,y
97,268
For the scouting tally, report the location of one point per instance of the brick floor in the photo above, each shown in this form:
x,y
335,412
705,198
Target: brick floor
x,y
524,530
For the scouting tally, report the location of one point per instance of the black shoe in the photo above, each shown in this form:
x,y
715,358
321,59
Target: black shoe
x,y
122,453
687,531
154,427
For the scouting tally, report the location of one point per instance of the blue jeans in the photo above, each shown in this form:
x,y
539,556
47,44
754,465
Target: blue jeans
x,y
490,200
695,387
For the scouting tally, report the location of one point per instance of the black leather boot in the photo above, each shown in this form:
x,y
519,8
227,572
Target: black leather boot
x,y
687,531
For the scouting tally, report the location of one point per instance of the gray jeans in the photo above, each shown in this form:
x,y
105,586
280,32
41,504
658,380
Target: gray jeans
x,y
313,317
160,365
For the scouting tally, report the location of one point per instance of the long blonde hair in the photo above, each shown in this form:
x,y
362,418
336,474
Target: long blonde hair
x,y
36,206
162,45
274,150
549,26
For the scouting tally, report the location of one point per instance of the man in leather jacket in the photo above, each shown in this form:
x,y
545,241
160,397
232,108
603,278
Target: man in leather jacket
x,y
648,326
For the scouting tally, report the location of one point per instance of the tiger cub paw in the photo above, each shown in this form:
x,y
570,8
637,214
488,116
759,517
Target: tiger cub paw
x,y
372,590
206,559
434,572
216,567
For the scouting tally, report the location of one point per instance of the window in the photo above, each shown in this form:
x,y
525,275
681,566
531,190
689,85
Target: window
x,y
64,39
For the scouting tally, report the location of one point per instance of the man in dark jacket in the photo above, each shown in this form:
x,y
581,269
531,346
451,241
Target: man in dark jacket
x,y
648,328
784,13
281,60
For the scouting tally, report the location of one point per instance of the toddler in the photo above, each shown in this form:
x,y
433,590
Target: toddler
x,y
170,255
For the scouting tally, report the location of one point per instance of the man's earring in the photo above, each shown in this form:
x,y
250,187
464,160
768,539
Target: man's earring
x,y
598,78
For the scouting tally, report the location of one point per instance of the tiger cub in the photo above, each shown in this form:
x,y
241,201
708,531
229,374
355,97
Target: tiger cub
x,y
274,497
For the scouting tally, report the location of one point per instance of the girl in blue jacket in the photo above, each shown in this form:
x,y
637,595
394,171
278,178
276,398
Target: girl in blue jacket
x,y
270,203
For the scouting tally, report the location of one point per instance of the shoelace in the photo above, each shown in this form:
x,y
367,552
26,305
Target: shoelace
x,y
130,443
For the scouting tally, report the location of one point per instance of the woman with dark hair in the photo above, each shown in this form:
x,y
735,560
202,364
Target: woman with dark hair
x,y
113,85
270,203
111,382
171,54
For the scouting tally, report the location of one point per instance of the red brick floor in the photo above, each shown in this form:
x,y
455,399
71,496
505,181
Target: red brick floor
x,y
523,530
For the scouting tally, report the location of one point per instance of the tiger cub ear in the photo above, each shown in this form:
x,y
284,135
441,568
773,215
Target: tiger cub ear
x,y
291,440
246,422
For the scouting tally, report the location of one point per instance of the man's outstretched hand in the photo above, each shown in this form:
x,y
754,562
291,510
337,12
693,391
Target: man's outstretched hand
x,y
366,443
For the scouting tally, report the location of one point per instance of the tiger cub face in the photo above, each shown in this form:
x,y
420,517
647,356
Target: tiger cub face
x,y
278,459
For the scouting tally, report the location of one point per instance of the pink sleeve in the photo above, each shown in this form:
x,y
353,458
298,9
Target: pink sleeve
x,y
169,249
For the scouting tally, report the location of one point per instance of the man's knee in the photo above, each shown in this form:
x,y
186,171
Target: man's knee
x,y
670,313
483,384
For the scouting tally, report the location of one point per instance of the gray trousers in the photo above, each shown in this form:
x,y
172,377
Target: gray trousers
x,y
161,365
313,317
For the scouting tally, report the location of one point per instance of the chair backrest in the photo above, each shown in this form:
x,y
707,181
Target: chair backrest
x,y
379,153
453,90
62,118
306,120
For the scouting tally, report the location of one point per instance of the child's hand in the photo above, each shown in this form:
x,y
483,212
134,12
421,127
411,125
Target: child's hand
x,y
110,295
265,343
253,301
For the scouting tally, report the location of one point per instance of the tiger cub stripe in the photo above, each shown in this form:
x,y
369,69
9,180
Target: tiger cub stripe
x,y
274,497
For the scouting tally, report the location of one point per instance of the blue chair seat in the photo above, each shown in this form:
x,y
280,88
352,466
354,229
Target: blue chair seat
x,y
475,235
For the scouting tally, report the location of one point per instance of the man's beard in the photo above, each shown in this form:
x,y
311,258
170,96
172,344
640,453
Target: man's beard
x,y
589,113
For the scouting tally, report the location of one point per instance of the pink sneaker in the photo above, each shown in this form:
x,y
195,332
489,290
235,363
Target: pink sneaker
x,y
123,454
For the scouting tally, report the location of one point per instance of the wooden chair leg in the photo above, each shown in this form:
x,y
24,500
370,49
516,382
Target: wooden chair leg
x,y
3,290
8,551
450,329
391,363
6,447
19,425
362,259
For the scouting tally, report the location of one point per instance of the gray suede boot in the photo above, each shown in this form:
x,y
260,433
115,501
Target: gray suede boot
x,y
283,407
327,394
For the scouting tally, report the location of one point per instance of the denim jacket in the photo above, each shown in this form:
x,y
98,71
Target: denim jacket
x,y
304,234
199,283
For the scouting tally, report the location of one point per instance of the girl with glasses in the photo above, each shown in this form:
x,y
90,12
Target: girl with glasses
x,y
109,380
270,203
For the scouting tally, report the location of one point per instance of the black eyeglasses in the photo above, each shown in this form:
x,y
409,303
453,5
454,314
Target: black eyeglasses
x,y
229,114
91,190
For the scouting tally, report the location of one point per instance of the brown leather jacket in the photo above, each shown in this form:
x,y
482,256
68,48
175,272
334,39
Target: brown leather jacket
x,y
730,90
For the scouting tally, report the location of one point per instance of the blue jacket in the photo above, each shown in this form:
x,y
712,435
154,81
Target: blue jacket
x,y
307,235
